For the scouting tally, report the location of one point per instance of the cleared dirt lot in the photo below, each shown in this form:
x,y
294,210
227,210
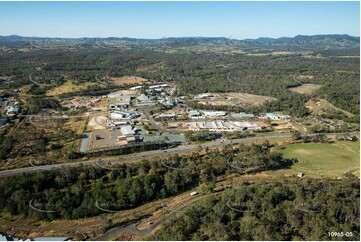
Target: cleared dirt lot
x,y
306,88
321,106
98,103
282,125
106,139
97,122
71,86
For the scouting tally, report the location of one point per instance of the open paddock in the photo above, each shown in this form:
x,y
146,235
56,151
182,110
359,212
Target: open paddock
x,y
324,159
71,86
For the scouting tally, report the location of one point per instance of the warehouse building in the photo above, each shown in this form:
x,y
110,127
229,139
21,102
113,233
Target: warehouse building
x,y
123,115
127,130
145,100
273,116
222,126
193,114
214,113
242,115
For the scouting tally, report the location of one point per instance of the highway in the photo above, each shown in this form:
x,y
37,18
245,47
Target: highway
x,y
146,154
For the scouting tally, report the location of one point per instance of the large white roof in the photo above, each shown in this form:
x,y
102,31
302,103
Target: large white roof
x,y
127,130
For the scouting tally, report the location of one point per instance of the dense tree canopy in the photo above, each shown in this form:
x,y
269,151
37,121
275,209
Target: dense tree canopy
x,y
283,210
72,192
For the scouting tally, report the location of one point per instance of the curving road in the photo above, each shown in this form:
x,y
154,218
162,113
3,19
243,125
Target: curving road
x,y
132,228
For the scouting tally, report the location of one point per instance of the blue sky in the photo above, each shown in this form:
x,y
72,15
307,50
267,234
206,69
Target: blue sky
x,y
174,19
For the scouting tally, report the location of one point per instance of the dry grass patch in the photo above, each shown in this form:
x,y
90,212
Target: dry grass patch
x,y
306,88
71,86
76,124
128,80
151,68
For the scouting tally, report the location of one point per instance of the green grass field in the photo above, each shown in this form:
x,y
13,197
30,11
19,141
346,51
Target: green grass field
x,y
318,159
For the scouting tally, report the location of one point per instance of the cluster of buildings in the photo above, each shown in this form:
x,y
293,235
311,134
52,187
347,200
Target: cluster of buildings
x,y
273,116
129,134
119,100
119,119
162,94
13,110
223,126
10,107
80,102
144,100
167,101
167,116
194,114
214,113
117,114
123,114
242,115
118,103
158,87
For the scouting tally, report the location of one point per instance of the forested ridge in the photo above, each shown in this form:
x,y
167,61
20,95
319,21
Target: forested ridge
x,y
318,42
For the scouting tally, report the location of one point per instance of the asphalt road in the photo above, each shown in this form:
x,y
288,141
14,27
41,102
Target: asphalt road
x,y
151,120
155,125
152,153
132,228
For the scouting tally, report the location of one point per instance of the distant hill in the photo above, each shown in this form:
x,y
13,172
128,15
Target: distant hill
x,y
327,41
299,42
